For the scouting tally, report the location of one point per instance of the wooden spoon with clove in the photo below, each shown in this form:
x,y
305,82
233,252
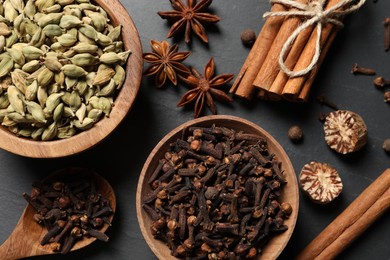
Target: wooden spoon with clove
x,y
25,239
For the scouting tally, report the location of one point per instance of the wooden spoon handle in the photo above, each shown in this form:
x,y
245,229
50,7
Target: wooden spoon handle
x,y
352,222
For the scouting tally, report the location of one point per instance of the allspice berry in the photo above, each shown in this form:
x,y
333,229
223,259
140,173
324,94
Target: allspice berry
x,y
295,133
386,145
248,37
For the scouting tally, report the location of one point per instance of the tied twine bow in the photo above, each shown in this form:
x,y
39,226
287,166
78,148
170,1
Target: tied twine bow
x,y
315,10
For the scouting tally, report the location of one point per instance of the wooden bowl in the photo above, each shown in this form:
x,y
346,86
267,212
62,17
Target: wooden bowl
x,y
123,102
289,194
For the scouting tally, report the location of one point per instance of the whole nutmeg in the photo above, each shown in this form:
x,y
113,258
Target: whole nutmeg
x,y
295,133
386,145
248,37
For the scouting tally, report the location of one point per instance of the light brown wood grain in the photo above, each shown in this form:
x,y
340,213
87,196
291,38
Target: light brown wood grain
x,y
123,102
25,239
289,193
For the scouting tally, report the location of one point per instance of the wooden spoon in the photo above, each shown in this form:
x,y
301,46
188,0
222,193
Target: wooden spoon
x,y
25,239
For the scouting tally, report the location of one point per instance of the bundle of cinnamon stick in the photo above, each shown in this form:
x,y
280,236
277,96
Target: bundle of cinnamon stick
x,y
261,75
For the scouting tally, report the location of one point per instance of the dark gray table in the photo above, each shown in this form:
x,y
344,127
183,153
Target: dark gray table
x,y
121,156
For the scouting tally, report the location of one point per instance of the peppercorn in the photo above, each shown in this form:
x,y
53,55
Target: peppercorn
x,y
248,37
295,133
386,145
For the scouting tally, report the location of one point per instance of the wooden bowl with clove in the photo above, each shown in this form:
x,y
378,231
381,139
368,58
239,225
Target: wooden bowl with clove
x,y
217,187
106,120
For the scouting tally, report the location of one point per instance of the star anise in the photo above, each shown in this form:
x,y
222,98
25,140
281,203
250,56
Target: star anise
x,y
205,88
189,17
166,62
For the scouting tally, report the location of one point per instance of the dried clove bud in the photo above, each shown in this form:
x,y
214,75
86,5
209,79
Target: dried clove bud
x,y
362,70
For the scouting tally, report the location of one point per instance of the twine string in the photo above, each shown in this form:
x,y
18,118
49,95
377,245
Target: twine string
x,y
316,14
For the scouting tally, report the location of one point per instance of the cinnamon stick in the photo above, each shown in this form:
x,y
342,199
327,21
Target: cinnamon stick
x,y
352,222
243,85
270,68
294,85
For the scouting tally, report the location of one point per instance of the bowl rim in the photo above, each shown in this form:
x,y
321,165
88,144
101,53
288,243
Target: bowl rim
x,y
287,165
104,127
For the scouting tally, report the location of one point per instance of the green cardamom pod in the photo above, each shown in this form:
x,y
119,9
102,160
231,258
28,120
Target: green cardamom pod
x,y
18,23
10,12
89,32
81,87
84,59
103,40
66,40
35,74
4,101
69,21
11,39
30,9
66,132
86,20
32,53
53,64
82,38
59,78
83,6
110,58
69,53
53,18
107,90
53,88
73,31
45,77
4,29
52,30
95,114
52,9
42,96
101,103
7,122
31,66
74,101
2,43
73,71
16,55
53,101
98,20
36,135
42,4
58,47
120,76
90,78
25,132
86,124
73,11
14,96
124,56
58,112
50,132
18,5
115,33
19,80
81,112
31,91
83,47
36,111
70,83
103,75
68,112
88,94
6,66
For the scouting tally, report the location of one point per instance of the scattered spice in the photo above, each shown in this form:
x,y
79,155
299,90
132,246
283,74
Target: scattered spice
x,y
362,70
386,34
295,133
381,82
386,145
216,195
345,131
165,62
386,96
324,101
248,37
321,182
70,208
205,88
189,17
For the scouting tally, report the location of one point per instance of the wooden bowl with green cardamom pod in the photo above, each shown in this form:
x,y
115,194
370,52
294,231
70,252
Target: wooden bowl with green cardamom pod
x,y
69,74
217,187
